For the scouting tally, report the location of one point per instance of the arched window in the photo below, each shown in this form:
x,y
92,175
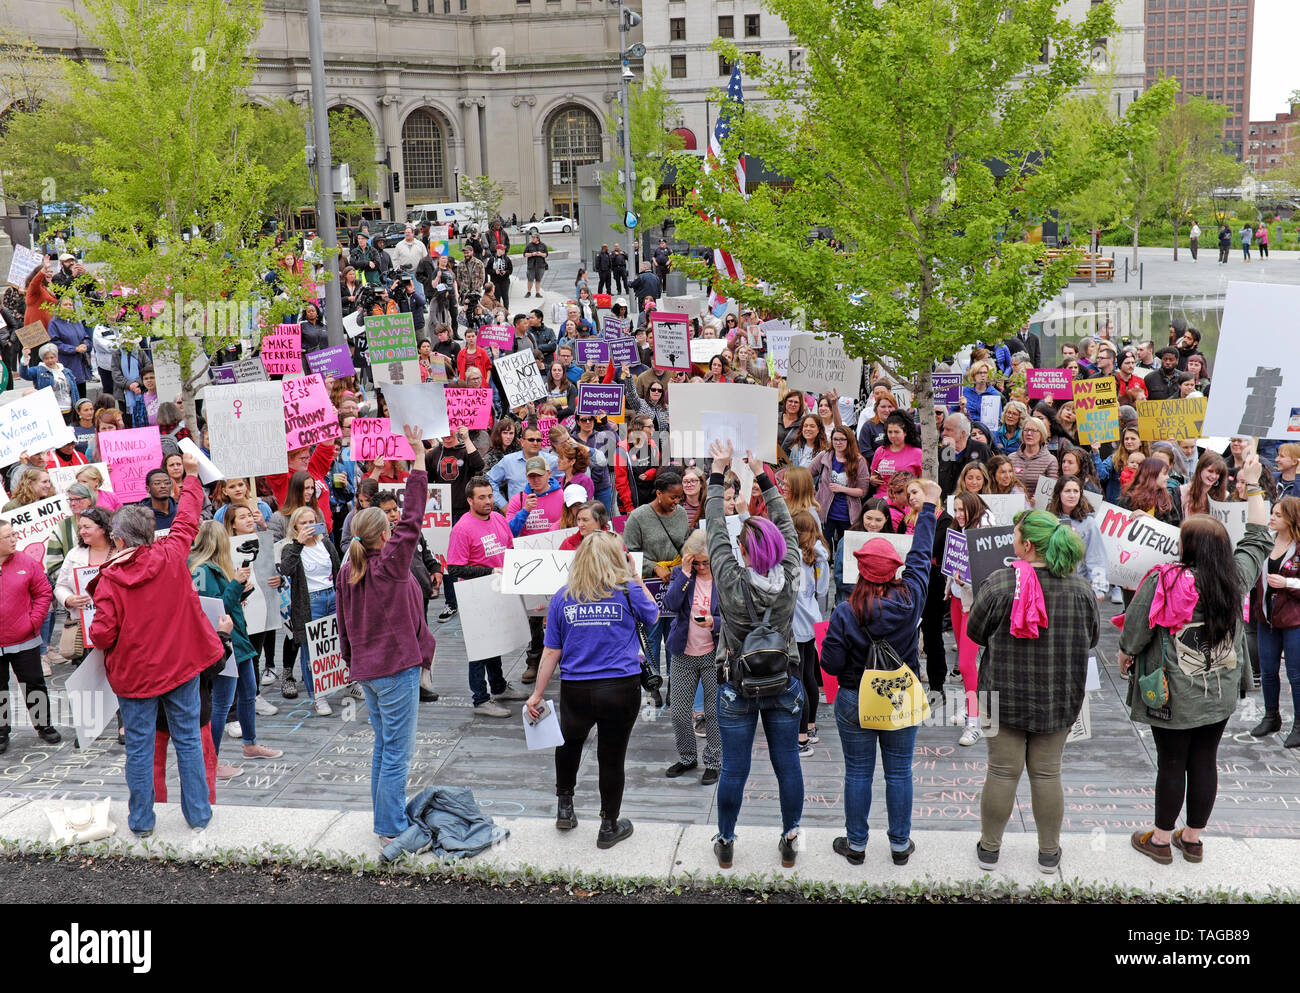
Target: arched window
x,y
688,138
424,156
572,141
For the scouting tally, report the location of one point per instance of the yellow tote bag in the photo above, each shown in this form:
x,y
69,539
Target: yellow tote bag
x,y
890,697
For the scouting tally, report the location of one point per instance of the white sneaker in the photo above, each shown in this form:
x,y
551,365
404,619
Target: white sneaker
x,y
233,730
970,735
198,839
957,719
354,690
268,677
264,707
1116,595
323,708
490,708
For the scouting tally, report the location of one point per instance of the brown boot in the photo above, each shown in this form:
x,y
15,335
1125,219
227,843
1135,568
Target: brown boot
x,y
1159,853
530,674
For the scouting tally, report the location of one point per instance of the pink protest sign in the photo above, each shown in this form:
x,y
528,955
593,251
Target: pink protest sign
x,y
501,335
309,417
1049,382
282,350
544,425
373,438
130,455
469,408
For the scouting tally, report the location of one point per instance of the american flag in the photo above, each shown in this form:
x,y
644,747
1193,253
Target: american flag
x,y
723,262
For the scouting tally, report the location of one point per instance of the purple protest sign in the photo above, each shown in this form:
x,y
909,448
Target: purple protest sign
x,y
590,350
947,387
222,375
501,335
956,558
613,327
334,361
600,398
622,351
1049,382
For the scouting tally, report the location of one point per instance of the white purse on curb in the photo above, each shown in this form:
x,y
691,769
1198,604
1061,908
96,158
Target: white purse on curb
x,y
76,825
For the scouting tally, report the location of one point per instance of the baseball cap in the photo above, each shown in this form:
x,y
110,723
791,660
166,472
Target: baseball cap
x,y
67,257
536,466
573,493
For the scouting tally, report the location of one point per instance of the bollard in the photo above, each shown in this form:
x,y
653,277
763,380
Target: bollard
x,y
1126,268
1141,273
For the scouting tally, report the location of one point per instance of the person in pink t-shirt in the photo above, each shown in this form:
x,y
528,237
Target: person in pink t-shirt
x,y
538,508
901,453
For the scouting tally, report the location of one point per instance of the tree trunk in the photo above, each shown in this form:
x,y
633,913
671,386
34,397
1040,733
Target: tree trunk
x,y
924,400
1092,264
1137,226
1175,241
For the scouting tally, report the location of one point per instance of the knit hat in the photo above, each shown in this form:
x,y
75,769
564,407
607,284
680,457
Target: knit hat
x,y
536,466
878,561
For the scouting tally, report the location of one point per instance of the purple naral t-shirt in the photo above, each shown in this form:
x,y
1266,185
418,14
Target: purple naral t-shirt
x,y
598,640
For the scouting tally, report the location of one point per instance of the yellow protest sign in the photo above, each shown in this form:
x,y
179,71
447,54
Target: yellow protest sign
x,y
1171,420
1096,409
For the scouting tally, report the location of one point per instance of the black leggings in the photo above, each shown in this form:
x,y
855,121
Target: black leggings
x,y
1185,765
808,667
936,656
610,705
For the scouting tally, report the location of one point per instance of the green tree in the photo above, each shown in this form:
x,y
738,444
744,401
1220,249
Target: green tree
x,y
272,137
352,140
653,145
910,132
485,194
1194,133
1151,159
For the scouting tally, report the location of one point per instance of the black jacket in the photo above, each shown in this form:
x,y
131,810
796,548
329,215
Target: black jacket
x,y
950,468
499,268
300,602
605,263
646,285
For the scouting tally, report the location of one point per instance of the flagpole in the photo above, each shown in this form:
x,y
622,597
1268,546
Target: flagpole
x,y
625,96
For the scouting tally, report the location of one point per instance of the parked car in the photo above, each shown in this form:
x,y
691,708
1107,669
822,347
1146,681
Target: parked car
x,y
551,224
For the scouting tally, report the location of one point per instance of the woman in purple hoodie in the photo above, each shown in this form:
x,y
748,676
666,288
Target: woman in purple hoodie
x,y
385,640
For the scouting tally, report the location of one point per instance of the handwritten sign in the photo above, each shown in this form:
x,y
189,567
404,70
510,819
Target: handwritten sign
x,y
32,423
468,408
130,455
309,416
541,571
672,335
1096,409
955,563
246,428
1047,486
947,387
822,364
1002,507
33,523
335,360
61,477
590,350
394,355
23,264
373,438
600,398
1134,544
622,350
436,527
325,656
703,350
423,405
779,334
33,335
500,335
282,350
523,383
1171,420
1232,515
1053,383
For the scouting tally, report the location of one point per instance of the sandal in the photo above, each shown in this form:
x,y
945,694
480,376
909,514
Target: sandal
x,y
1193,851
1158,853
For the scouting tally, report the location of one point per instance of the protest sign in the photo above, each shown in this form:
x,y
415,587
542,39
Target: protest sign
x,y
325,656
92,699
947,388
704,349
672,335
1054,383
246,428
214,608
468,408
778,334
394,355
352,325
544,425
249,371
551,540
1256,376
1002,507
423,405
335,361
282,350
23,264
590,350
32,423
501,336
166,377
956,563
222,375
1047,485
518,374
1081,729
1134,544
990,410
728,426
309,415
491,622
373,438
1232,515
600,398
130,455
1096,409
821,364
34,522
61,477
622,350
436,527
690,401
262,605
540,570
690,306
614,327
853,540
81,577
1171,420
33,335
208,472
988,550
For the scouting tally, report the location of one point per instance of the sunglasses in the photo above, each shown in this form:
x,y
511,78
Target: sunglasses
x,y
590,419
655,389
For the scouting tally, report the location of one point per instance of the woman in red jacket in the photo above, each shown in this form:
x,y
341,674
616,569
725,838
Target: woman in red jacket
x,y
472,355
40,301
26,594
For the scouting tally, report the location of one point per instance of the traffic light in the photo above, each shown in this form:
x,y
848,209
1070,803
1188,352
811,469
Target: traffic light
x,y
397,182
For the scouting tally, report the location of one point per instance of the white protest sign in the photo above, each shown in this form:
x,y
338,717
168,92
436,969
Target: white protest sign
x,y
61,477
92,700
262,605
518,373
1043,495
734,524
1134,543
214,608
704,349
81,577
546,732
1081,730
853,540
1232,515
541,571
352,324
779,335
1256,384
23,264
437,518
723,426
208,472
821,364
493,623
551,540
419,404
690,306
325,656
690,401
991,411
1002,507
672,337
246,428
167,377
32,424
34,522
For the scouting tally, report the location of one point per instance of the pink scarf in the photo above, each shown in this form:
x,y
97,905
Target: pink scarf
x,y
1028,608
1175,597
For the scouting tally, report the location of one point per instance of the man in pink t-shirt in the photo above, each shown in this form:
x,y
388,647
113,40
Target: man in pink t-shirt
x,y
477,548
538,508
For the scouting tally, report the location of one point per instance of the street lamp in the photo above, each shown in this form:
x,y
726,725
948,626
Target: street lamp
x,y
628,19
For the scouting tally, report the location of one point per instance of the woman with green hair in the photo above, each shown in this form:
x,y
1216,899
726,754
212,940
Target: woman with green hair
x,y
1038,621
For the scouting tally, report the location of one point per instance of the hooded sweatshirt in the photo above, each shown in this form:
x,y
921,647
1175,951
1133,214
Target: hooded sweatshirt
x,y
545,517
814,581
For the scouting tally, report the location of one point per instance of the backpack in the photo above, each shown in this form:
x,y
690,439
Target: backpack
x,y
762,667
890,697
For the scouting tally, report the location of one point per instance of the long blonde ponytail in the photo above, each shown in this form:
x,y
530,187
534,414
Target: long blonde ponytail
x,y
368,528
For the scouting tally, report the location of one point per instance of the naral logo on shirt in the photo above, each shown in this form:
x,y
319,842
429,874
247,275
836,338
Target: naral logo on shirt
x,y
592,613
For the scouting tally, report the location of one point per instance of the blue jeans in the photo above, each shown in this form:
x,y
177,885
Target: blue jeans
x,y
737,721
606,496
139,720
242,690
47,628
1273,644
483,672
393,702
859,746
657,635
322,605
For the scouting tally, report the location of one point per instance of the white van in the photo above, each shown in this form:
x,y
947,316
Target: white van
x,y
459,214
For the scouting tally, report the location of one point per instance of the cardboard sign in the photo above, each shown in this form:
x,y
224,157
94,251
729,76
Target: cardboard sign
x,y
1256,371
1171,420
335,360
541,571
394,353
853,540
309,416
373,438
325,656
622,351
81,577
1054,383
282,350
956,563
262,605
1134,543
130,455
600,398
501,336
437,518
518,374
947,388
423,405
468,408
820,364
246,428
1232,515
987,551
724,426
1096,409
33,335
672,341
23,264
32,423
1002,507
33,523
492,623
61,477
590,350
